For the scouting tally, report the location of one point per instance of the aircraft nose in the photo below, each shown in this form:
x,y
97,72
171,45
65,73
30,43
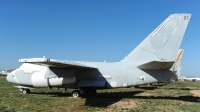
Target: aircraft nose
x,y
10,78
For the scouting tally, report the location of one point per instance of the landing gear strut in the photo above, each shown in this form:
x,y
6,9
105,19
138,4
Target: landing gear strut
x,y
83,91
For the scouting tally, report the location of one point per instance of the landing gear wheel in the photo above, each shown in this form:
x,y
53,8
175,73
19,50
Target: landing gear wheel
x,y
76,94
25,91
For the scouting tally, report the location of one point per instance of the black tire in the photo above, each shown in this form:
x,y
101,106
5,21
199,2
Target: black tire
x,y
25,91
76,94
28,91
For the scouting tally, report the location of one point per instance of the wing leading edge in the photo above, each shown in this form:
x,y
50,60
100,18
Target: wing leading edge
x,y
54,63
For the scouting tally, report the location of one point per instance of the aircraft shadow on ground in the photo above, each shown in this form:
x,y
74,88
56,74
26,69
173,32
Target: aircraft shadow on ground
x,y
108,98
152,87
149,88
181,88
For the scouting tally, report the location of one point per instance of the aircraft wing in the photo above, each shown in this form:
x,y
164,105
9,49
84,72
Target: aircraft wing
x,y
156,65
55,63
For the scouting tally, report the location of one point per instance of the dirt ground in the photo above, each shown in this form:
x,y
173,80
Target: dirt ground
x,y
121,105
195,92
128,105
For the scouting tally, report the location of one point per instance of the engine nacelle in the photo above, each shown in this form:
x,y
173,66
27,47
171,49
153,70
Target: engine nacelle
x,y
38,80
61,81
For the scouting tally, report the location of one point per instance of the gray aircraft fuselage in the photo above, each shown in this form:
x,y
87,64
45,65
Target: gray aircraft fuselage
x,y
105,75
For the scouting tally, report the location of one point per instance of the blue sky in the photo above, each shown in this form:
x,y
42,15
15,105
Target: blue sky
x,y
90,30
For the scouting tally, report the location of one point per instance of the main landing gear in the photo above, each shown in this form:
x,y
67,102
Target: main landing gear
x,y
83,91
76,94
25,91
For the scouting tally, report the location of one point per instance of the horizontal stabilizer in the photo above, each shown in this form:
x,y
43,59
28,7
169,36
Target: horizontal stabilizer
x,y
156,65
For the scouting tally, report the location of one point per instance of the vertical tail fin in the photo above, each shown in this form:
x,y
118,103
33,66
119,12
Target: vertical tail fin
x,y
163,43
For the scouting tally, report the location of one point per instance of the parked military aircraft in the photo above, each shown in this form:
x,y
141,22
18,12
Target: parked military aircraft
x,y
189,79
149,62
6,72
